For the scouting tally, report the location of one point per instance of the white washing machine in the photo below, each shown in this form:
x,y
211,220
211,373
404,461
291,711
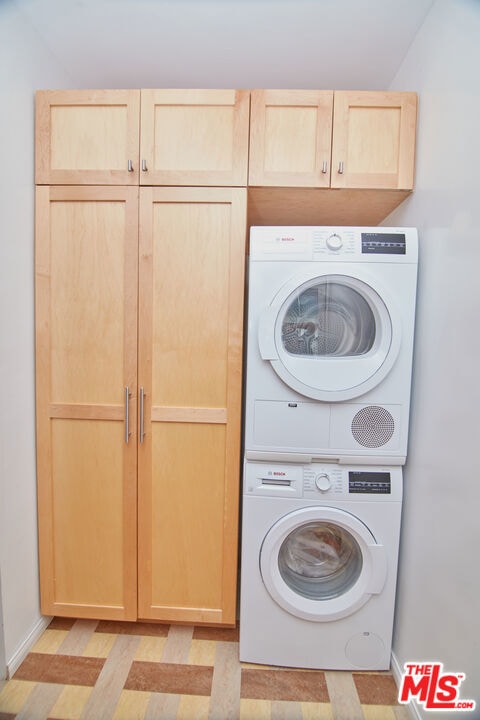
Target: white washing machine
x,y
319,564
329,349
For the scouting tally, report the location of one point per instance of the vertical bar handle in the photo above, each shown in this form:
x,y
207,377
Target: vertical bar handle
x,y
324,167
144,165
142,405
340,167
130,166
127,419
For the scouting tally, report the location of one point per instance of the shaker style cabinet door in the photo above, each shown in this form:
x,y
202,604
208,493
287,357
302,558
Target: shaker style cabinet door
x,y
290,138
374,140
86,328
194,137
191,279
87,137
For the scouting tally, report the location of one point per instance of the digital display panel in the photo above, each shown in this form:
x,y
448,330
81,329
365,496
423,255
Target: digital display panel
x,y
369,482
384,243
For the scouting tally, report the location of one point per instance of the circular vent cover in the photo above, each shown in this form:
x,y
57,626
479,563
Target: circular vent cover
x,y
373,426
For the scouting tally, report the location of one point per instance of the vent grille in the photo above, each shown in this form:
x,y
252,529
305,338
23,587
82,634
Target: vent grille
x,y
373,426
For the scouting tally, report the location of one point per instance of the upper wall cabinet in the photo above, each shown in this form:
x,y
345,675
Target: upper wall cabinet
x,y
185,137
87,137
340,140
374,140
290,138
194,137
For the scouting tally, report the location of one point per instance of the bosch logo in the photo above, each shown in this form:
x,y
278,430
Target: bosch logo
x,y
280,474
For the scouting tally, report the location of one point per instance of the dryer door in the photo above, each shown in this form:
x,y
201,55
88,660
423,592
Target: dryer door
x,y
322,563
330,336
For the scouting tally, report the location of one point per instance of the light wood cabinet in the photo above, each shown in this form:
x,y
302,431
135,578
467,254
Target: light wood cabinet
x,y
302,138
194,137
192,249
182,400
86,325
290,138
374,140
329,158
185,137
87,137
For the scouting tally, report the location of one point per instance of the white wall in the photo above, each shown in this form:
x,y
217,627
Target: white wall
x,y
24,65
439,581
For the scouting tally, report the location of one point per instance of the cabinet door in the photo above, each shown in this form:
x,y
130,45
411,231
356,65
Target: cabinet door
x,y
87,137
194,137
86,328
290,138
192,247
374,140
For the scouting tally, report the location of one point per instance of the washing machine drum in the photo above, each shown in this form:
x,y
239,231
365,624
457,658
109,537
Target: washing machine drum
x,y
322,564
330,337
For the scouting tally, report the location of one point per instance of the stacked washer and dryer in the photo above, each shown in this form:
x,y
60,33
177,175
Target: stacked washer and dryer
x,y
329,357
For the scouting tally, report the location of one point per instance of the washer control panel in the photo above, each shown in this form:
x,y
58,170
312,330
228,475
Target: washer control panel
x,y
317,481
323,480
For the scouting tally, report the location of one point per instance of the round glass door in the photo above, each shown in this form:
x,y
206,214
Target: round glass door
x,y
320,560
328,319
330,337
321,563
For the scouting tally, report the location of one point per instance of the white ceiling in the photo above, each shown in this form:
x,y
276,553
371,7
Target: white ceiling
x,y
328,44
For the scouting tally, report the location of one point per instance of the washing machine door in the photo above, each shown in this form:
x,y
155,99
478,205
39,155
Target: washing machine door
x,y
332,335
322,563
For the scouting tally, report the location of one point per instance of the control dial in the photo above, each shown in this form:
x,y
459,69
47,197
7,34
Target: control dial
x,y
334,242
323,482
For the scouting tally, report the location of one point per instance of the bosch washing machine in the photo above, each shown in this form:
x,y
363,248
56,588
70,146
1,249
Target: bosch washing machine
x,y
319,564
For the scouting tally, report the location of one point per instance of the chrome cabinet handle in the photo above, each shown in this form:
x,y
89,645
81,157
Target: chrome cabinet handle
x,y
127,419
340,167
142,404
324,167
130,166
144,165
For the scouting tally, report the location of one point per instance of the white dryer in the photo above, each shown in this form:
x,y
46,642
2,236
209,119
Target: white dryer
x,y
319,564
329,348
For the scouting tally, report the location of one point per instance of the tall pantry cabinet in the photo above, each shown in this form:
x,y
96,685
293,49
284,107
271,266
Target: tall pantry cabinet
x,y
139,349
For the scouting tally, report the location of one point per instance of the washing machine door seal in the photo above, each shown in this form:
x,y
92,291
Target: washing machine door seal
x,y
331,335
322,563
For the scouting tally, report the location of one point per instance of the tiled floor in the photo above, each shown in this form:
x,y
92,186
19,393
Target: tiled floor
x,y
97,670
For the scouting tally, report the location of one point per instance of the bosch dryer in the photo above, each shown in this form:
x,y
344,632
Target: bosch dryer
x,y
329,350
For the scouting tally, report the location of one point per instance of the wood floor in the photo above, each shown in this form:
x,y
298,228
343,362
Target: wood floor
x,y
97,670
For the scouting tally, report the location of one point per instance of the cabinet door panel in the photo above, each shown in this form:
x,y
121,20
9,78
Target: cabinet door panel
x,y
192,245
87,512
87,137
86,325
188,495
374,140
87,313
194,137
190,304
290,138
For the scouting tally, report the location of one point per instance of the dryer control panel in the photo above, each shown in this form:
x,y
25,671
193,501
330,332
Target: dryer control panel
x,y
318,481
333,243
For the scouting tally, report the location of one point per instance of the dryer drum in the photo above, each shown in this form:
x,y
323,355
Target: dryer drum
x,y
320,560
328,319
